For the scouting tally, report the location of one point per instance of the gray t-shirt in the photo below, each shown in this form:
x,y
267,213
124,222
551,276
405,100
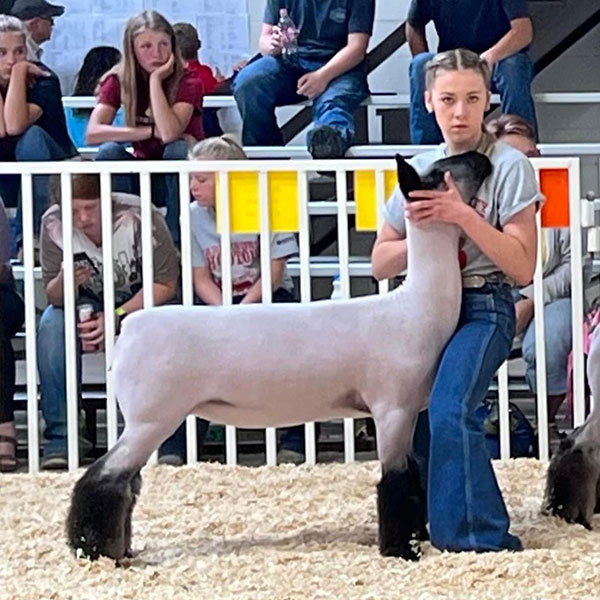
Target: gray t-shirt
x,y
511,187
245,251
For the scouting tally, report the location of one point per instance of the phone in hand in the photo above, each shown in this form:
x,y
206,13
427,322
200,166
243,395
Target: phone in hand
x,y
81,259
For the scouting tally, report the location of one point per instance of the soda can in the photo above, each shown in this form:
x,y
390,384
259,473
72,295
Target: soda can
x,y
85,312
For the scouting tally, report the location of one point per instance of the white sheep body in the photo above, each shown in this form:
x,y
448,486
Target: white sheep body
x,y
284,364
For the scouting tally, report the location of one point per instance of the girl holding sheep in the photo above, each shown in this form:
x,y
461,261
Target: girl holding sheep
x,y
466,509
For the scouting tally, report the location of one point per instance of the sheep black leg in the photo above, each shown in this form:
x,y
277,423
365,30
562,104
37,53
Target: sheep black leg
x,y
572,482
100,512
401,512
136,488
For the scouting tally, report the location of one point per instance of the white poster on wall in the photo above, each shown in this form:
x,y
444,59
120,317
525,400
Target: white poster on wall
x,y
223,26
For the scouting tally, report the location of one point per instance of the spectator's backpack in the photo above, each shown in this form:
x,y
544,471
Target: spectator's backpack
x,y
522,435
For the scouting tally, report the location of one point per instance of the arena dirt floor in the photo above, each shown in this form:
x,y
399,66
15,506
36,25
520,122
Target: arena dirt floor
x,y
211,532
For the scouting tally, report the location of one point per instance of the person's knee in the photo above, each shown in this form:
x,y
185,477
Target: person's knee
x,y
33,144
417,64
558,346
51,329
177,150
110,151
515,71
252,83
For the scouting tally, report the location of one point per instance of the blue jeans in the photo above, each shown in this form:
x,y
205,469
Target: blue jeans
x,y
35,144
52,371
511,78
165,188
271,81
466,509
558,330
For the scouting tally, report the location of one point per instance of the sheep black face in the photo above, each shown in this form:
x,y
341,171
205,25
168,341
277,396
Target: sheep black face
x,y
469,170
573,481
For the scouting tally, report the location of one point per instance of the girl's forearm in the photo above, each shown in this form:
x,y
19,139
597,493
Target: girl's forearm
x,y
16,111
98,134
168,126
388,259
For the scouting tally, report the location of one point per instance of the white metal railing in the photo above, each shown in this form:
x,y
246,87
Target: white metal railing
x,y
381,100
300,205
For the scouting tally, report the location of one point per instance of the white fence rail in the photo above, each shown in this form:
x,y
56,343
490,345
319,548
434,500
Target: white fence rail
x,y
305,269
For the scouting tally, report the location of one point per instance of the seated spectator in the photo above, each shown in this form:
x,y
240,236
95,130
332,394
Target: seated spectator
x,y
127,265
500,31
328,68
556,260
189,45
38,17
163,108
11,320
32,122
96,63
245,270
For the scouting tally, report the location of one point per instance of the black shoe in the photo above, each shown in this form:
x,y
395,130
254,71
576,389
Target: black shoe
x,y
326,142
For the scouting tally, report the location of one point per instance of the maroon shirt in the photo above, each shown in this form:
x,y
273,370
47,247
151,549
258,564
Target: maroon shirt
x,y
190,91
205,74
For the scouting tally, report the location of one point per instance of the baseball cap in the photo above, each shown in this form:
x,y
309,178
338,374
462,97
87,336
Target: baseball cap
x,y
30,9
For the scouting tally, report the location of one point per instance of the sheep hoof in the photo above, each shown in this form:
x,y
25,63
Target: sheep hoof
x,y
572,482
411,551
401,513
98,523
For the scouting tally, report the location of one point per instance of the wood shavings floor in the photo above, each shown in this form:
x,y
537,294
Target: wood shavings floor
x,y
211,532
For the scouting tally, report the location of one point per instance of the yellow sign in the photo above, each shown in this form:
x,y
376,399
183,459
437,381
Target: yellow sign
x,y
365,197
244,212
283,201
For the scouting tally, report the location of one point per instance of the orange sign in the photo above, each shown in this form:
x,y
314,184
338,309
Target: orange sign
x,y
554,184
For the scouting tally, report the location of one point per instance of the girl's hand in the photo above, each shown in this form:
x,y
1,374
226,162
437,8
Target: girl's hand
x,y
164,70
438,206
30,69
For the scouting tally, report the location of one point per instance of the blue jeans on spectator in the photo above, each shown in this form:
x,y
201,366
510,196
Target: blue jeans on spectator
x,y
293,437
165,188
558,332
511,78
272,81
34,144
52,371
465,506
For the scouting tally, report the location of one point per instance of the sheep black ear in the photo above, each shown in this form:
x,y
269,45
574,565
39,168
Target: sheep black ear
x,y
408,178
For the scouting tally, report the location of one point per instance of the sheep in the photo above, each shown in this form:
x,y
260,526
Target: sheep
x,y
257,366
573,478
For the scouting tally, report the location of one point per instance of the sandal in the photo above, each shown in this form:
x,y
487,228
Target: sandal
x,y
8,462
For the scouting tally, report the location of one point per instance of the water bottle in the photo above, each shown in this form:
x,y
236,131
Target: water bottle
x,y
336,288
289,34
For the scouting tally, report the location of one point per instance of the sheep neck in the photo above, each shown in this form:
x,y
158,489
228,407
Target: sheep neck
x,y
433,266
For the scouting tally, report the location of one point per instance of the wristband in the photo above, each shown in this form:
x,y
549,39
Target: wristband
x,y
120,312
